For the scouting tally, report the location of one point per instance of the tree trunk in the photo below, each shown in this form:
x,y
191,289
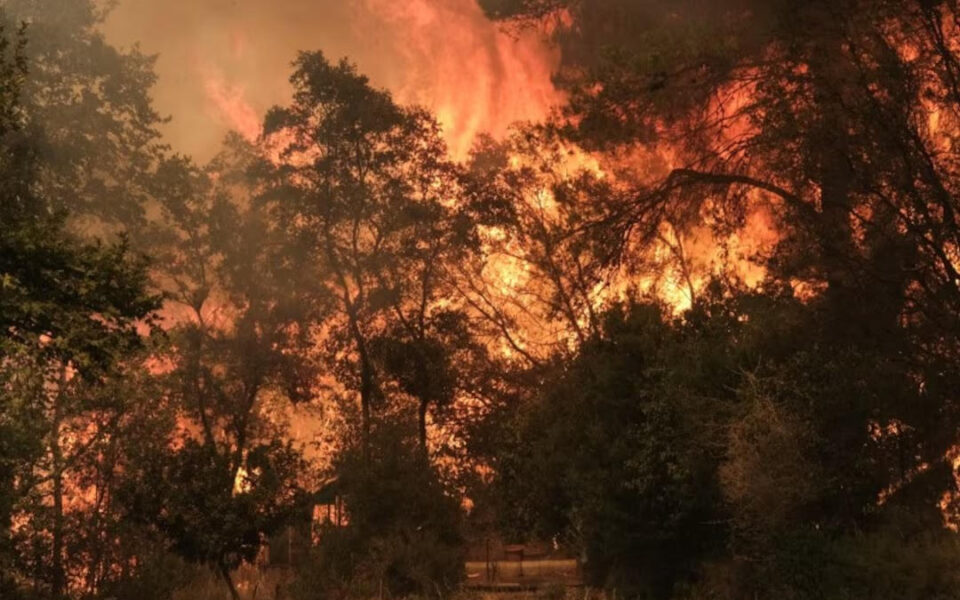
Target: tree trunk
x,y
422,424
59,579
834,173
225,573
366,393
58,572
366,370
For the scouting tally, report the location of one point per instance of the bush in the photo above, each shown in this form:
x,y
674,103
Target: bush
x,y
403,537
900,559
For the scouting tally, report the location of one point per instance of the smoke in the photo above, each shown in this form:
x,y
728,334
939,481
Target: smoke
x,y
223,63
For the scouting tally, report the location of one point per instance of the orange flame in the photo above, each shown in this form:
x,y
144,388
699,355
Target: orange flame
x,y
473,75
444,55
229,104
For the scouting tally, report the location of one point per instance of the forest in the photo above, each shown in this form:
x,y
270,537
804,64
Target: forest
x,y
696,331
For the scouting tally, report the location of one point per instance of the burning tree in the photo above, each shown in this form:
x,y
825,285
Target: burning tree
x,y
70,312
840,117
368,197
225,476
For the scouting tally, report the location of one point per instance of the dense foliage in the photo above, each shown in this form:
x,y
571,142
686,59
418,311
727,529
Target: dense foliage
x,y
558,338
403,535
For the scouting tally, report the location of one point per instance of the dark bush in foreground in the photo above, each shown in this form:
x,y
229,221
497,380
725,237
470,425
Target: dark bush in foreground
x,y
404,531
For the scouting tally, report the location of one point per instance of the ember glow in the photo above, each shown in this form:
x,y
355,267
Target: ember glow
x,y
662,295
476,76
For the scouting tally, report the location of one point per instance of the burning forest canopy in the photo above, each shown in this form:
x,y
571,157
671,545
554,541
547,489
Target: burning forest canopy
x,y
670,285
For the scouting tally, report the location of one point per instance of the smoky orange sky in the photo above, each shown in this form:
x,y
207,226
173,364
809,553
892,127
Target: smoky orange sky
x,y
222,63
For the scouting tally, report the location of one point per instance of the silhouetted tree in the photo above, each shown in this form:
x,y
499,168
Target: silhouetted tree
x,y
225,476
367,193
69,311
92,100
824,112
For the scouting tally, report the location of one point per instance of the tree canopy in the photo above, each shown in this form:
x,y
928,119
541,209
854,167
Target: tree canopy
x,y
338,338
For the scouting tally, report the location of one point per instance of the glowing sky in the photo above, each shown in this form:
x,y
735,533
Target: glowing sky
x,y
222,63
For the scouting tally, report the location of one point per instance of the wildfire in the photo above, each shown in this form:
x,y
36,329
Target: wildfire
x,y
444,55
229,104
479,78
476,77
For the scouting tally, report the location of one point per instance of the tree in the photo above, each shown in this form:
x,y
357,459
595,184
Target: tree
x,y
821,110
403,527
366,192
721,426
93,102
538,278
619,454
70,313
224,477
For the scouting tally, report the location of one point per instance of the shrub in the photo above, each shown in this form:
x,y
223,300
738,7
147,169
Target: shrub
x,y
403,535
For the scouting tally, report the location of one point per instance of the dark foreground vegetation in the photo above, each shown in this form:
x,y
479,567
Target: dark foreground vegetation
x,y
504,345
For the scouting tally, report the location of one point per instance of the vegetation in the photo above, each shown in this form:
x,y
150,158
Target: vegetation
x,y
404,532
561,337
